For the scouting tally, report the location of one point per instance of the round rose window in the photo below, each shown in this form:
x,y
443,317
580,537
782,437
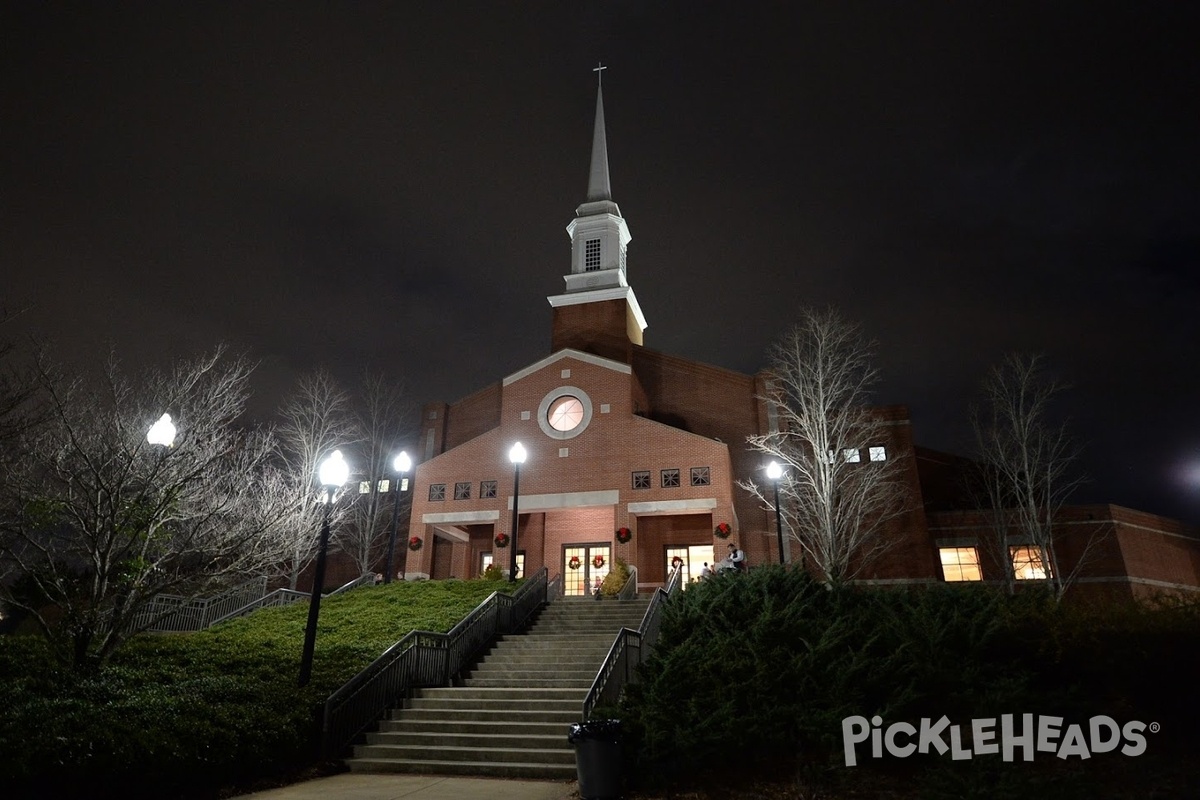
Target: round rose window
x,y
565,413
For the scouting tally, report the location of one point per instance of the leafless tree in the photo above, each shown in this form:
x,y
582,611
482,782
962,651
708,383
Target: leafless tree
x,y
380,426
315,420
835,500
1027,466
96,522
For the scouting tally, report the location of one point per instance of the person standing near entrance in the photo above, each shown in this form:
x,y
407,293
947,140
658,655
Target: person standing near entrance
x,y
737,558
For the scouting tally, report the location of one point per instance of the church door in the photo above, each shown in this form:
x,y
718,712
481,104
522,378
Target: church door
x,y
582,565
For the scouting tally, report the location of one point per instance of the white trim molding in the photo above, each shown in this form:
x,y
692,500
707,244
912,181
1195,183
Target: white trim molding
x,y
696,506
552,502
567,352
461,517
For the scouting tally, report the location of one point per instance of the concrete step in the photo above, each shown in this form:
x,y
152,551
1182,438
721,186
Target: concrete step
x,y
533,659
408,724
451,704
495,769
437,740
544,755
558,716
459,693
532,683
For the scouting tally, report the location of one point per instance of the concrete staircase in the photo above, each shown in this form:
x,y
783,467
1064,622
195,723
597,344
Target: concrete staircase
x,y
510,716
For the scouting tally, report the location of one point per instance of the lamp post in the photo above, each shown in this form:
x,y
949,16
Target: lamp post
x,y
775,472
402,465
517,456
162,432
333,474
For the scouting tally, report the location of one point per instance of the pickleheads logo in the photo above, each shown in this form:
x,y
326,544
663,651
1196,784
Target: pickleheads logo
x,y
1035,734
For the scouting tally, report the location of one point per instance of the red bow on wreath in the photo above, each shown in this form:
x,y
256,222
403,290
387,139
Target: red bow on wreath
x,y
723,530
414,543
598,562
574,563
501,540
624,535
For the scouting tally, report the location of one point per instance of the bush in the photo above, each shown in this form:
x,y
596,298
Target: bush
x,y
760,669
616,578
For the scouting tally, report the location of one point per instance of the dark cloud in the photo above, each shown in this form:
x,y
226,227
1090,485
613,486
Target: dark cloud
x,y
386,186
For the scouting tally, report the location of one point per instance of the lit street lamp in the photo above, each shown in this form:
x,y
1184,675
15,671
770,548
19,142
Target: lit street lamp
x,y
162,432
775,472
402,464
517,456
333,474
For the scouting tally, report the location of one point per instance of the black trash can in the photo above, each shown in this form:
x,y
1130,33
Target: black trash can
x,y
597,758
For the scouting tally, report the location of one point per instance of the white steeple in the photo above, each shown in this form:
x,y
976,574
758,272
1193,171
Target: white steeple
x,y
599,235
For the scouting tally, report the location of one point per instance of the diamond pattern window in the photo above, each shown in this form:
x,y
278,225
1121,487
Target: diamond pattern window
x,y
960,564
487,489
878,453
437,491
701,476
851,455
641,479
591,255
669,479
462,491
1028,563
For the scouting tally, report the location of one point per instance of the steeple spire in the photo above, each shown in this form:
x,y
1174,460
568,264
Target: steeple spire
x,y
598,185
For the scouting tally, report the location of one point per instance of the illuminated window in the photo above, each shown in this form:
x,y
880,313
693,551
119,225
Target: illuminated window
x,y
462,491
364,487
487,489
878,453
437,491
591,255
1028,563
851,455
641,479
670,478
960,564
701,476
565,413
485,561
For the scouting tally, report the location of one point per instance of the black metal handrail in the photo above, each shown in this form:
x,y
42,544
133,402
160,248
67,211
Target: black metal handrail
x,y
425,659
629,590
629,649
285,597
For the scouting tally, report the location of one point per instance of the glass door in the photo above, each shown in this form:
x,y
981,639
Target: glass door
x,y
583,566
692,560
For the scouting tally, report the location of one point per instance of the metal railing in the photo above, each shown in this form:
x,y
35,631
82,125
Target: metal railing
x,y
285,597
554,589
169,613
629,590
629,649
425,659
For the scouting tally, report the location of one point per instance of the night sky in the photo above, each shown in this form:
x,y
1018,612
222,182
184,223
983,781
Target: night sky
x,y
385,186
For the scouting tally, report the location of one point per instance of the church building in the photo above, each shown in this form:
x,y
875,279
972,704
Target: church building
x,y
635,454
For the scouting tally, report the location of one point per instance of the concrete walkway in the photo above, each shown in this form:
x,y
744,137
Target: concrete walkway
x,y
351,786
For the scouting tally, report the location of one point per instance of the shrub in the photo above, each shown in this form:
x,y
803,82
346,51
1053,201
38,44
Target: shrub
x,y
616,578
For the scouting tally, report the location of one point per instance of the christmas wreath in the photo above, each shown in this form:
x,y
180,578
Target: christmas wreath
x,y
723,530
574,563
598,562
624,535
501,540
415,543
676,562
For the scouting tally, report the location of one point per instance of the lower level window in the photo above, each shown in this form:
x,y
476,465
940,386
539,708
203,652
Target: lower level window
x,y
960,564
1028,563
485,561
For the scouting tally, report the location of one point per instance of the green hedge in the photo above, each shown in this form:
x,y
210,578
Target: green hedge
x,y
759,670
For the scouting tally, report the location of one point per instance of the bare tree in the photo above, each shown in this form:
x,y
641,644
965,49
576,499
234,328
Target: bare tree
x,y
1027,465
95,521
380,427
315,420
835,498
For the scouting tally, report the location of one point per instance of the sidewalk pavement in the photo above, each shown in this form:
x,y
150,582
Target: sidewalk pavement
x,y
359,786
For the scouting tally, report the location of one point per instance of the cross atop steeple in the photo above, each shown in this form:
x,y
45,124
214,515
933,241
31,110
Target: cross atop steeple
x,y
599,70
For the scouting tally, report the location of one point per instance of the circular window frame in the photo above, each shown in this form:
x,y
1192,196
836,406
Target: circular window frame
x,y
543,414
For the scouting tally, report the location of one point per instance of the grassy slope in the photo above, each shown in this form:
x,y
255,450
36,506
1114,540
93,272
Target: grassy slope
x,y
185,714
